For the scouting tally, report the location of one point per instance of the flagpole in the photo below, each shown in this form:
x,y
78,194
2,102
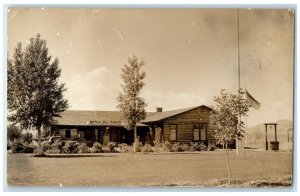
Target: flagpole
x,y
239,81
238,48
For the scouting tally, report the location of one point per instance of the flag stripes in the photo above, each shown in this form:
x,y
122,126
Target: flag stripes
x,y
252,102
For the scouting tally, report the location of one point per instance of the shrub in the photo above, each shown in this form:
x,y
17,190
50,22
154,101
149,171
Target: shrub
x,y
111,146
124,148
53,151
202,147
147,148
96,148
176,147
9,145
211,147
139,147
57,144
16,146
105,149
82,148
185,147
166,146
13,132
194,147
27,137
158,148
70,147
46,146
56,147
28,147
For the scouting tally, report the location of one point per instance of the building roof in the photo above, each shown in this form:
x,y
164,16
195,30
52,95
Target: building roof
x,y
110,118
88,118
157,116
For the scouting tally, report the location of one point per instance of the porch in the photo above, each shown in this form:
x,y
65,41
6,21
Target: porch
x,y
100,134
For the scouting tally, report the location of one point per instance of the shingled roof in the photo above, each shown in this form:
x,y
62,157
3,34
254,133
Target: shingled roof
x,y
109,118
157,116
87,118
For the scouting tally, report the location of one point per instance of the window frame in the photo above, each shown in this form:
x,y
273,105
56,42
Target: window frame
x,y
200,138
194,128
176,131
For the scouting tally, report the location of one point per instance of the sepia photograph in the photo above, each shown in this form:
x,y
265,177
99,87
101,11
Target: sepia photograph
x,y
150,97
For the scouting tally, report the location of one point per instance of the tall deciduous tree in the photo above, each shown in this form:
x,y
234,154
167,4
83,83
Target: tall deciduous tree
x,y
34,94
229,107
131,105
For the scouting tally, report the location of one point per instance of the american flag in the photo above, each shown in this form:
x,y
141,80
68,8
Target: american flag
x,y
253,102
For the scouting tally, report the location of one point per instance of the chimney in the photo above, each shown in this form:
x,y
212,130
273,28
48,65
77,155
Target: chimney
x,y
159,109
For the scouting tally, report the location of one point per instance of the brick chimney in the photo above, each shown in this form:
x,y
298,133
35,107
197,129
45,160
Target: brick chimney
x,y
159,109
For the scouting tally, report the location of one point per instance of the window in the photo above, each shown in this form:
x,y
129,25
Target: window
x,y
173,132
80,134
68,133
196,132
203,131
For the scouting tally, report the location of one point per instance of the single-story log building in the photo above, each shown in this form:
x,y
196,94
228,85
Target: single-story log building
x,y
183,125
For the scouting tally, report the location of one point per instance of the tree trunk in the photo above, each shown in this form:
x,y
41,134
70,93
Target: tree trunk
x,y
228,167
135,139
39,149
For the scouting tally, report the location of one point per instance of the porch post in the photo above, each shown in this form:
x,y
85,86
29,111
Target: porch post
x,y
97,135
275,133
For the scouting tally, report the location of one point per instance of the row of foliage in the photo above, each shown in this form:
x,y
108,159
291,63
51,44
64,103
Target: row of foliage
x,y
19,142
74,147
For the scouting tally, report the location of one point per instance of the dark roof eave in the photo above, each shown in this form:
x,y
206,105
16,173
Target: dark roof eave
x,y
96,125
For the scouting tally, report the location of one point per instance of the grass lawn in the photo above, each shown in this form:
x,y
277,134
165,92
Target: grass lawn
x,y
183,169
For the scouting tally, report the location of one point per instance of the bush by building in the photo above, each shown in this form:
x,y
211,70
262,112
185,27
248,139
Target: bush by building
x,y
46,146
96,148
124,148
56,148
185,147
211,147
147,148
176,147
82,148
70,148
111,146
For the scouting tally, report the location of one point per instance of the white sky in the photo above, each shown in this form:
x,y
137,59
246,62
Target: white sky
x,y
189,54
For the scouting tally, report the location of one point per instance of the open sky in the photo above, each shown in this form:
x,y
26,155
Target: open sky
x,y
190,54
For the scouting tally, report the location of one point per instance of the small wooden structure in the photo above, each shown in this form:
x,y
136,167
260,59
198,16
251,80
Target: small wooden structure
x,y
274,144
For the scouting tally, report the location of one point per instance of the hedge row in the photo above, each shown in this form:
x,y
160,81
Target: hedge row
x,y
73,147
58,147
